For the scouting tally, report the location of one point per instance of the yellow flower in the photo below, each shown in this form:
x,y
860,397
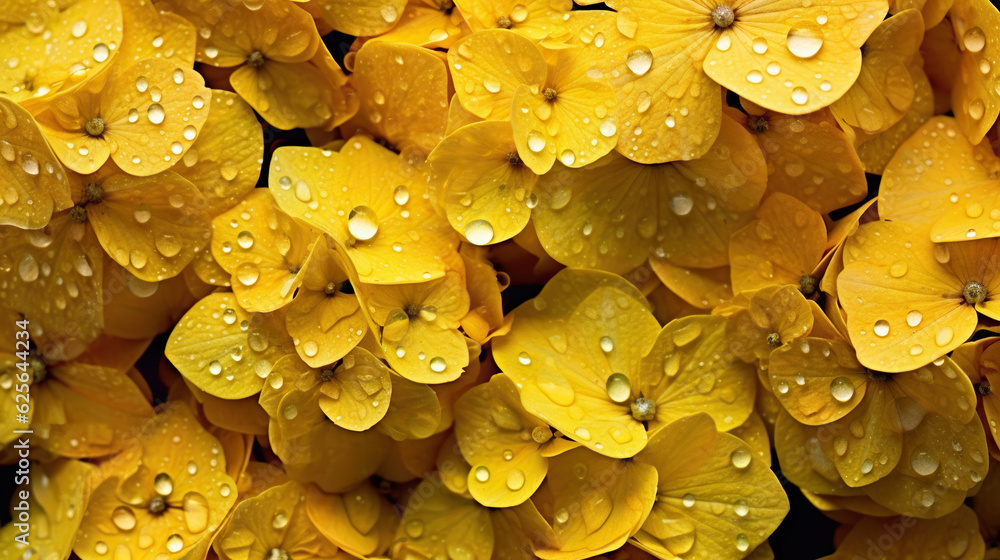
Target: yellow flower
x,y
939,179
485,318
226,351
360,521
171,492
282,68
975,98
808,156
40,60
892,433
769,318
274,524
910,302
326,315
371,17
537,19
556,110
144,117
411,120
684,212
713,498
390,233
506,447
780,55
884,90
590,359
265,251
955,535
784,245
56,501
34,182
419,325
480,181
980,361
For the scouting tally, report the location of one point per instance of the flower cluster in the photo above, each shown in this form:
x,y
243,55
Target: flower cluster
x,y
550,280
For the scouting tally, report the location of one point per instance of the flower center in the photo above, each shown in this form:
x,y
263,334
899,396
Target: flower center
x,y
92,194
504,22
723,16
774,339
326,375
550,94
256,59
95,126
157,505
330,289
541,434
878,376
277,554
514,159
38,368
758,124
974,292
807,285
78,214
643,409
984,388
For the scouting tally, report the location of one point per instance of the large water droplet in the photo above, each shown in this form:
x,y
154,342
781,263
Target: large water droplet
x,y
362,223
479,232
639,61
842,389
804,42
619,387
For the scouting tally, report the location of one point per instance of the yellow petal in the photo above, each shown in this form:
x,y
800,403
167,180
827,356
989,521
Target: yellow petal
x,y
43,61
377,231
484,187
325,316
536,19
702,202
67,315
57,505
904,306
153,226
441,522
690,369
414,411
818,386
34,182
368,17
596,502
360,521
411,119
876,152
975,99
920,193
488,66
784,244
563,347
704,288
506,467
264,249
224,350
710,499
955,535
884,90
224,161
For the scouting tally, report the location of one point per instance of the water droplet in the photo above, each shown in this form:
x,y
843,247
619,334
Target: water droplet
x,y
524,358
681,204
401,195
881,328
619,387
974,40
740,458
607,345
913,318
27,268
214,367
101,52
479,232
362,223
639,61
800,96
123,518
163,484
923,462
175,543
79,28
290,412
688,500
742,542
741,508
515,479
247,273
155,113
760,45
482,474
438,364
804,42
944,336
842,389
608,128
755,77
536,141
898,269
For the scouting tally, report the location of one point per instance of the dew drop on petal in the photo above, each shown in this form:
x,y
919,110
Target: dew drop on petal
x,y
362,223
804,42
842,389
479,232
